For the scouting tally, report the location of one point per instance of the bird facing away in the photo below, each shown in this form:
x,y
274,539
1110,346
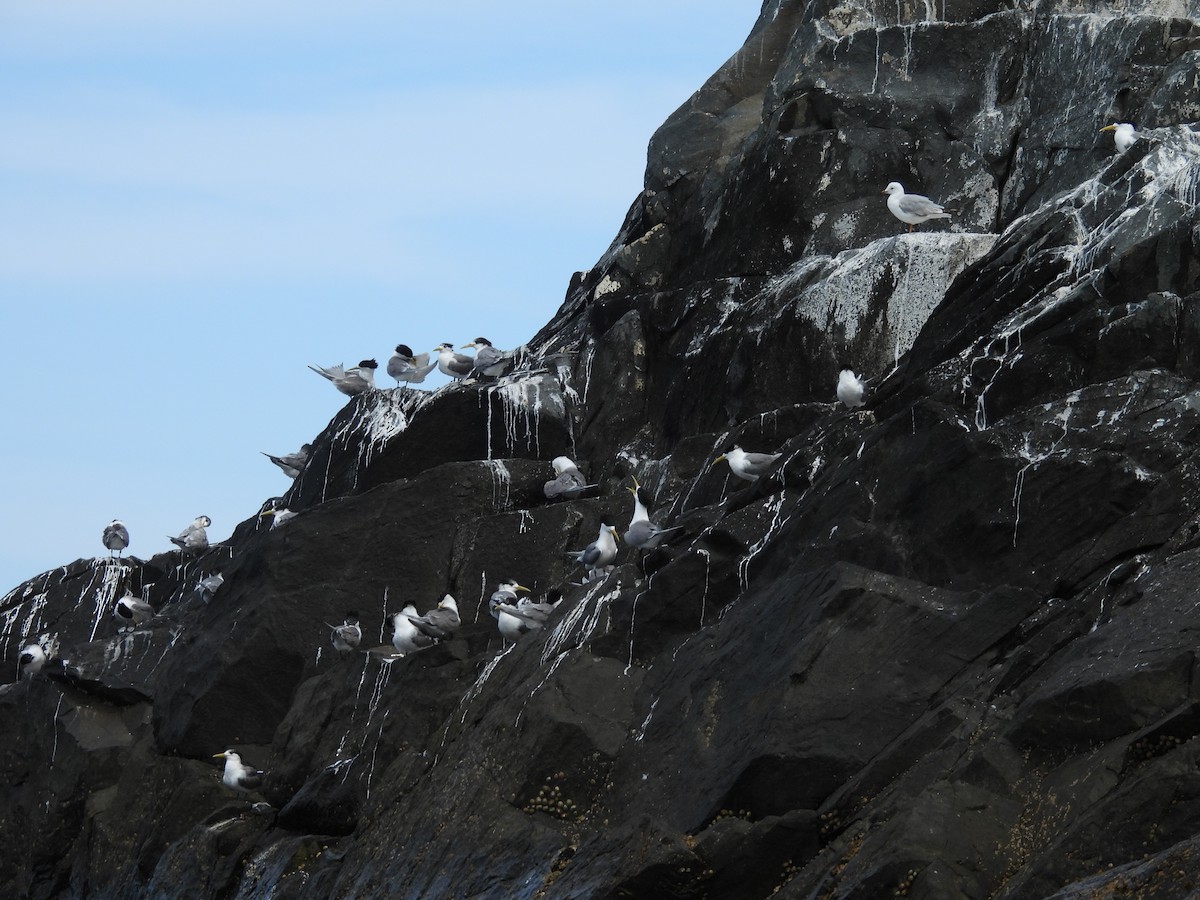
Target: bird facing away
x,y
643,534
237,775
406,637
115,537
750,466
404,366
439,623
850,389
31,660
449,362
132,612
292,463
353,381
568,481
522,618
348,635
488,360
1124,135
193,539
206,587
600,553
912,209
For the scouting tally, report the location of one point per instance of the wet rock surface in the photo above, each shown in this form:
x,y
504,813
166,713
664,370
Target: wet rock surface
x,y
944,648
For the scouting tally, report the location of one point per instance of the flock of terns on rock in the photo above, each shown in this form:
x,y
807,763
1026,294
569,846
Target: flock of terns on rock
x,y
515,616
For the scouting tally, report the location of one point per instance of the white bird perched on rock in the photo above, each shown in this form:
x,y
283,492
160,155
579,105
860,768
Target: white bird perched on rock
x,y
348,635
406,637
278,515
643,534
33,657
404,366
568,481
747,465
439,623
912,209
506,597
456,365
132,612
194,538
850,389
115,537
353,381
292,463
237,774
1124,135
488,360
600,553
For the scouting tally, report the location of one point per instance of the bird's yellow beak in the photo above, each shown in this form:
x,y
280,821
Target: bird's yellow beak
x,y
718,459
1109,128
521,587
616,537
465,346
217,755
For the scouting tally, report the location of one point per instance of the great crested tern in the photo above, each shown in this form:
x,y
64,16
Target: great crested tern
x,y
488,360
348,635
750,466
353,381
450,362
406,637
439,623
643,534
132,611
193,539
600,553
238,775
33,657
409,368
115,537
292,463
568,481
1124,135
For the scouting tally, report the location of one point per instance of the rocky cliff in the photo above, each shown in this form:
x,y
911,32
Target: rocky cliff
x,y
944,649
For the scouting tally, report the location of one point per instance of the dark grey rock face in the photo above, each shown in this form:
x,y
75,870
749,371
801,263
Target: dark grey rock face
x,y
945,648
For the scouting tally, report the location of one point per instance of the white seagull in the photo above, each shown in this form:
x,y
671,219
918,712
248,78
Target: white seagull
x,y
115,537
33,657
912,209
600,553
439,623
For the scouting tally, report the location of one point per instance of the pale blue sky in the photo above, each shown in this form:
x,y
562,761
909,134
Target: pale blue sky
x,y
198,200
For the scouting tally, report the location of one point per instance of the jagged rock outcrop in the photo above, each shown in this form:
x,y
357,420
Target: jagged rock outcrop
x,y
944,649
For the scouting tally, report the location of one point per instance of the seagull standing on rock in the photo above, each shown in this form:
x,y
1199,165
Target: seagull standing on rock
x,y
237,775
912,209
194,538
1124,135
353,381
850,389
750,466
404,366
115,537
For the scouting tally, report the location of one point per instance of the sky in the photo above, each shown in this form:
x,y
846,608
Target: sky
x,y
198,200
